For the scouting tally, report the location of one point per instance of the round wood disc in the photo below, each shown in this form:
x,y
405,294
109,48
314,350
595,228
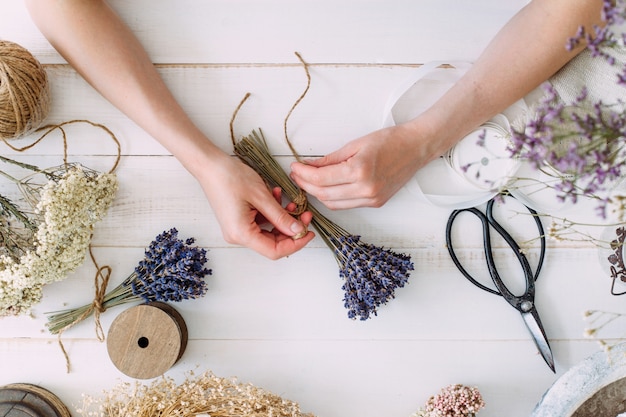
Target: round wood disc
x,y
145,341
27,400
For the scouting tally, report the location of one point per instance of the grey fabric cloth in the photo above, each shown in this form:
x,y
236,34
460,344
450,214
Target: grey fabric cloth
x,y
595,73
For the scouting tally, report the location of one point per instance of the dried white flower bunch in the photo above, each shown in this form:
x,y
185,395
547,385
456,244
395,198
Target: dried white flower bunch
x,y
205,394
66,208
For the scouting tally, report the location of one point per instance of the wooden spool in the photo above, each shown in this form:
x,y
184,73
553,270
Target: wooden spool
x,y
147,340
27,400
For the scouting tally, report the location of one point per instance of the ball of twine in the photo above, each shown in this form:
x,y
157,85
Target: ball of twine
x,y
24,91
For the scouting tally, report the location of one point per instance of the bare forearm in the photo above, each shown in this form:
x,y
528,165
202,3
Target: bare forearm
x,y
525,53
95,41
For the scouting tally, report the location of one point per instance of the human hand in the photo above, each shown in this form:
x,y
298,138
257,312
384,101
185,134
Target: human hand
x,y
245,207
366,172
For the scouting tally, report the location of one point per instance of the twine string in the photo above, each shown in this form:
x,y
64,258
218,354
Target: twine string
x,y
234,116
300,200
47,129
101,281
295,104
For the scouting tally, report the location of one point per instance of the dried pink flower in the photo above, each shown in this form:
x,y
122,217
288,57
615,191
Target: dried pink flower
x,y
455,400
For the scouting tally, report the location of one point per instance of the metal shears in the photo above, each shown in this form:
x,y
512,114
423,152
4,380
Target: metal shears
x,y
524,303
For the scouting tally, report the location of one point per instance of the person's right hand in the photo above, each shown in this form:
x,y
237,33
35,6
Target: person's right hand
x,y
243,204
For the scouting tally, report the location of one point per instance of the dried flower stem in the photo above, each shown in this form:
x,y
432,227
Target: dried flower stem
x,y
122,294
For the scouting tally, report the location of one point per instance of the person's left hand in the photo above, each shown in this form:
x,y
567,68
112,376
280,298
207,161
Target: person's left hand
x,y
366,172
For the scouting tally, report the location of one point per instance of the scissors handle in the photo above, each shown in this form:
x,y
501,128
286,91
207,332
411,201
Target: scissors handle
x,y
488,221
512,243
486,238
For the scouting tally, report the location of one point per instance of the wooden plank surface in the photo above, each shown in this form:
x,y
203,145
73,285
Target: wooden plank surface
x,y
281,325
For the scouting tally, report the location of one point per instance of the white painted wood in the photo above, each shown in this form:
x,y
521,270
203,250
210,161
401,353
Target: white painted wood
x,y
281,325
349,31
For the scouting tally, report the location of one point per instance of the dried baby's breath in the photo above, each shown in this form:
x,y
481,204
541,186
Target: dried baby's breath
x,y
205,394
66,208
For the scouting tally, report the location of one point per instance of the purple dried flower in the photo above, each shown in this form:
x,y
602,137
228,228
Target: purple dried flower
x,y
583,142
603,38
371,274
171,270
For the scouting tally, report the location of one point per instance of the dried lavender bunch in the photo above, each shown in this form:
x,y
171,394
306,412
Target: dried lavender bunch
x,y
453,401
371,274
172,270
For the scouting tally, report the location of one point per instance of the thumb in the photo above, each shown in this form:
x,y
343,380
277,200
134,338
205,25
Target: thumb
x,y
281,219
340,155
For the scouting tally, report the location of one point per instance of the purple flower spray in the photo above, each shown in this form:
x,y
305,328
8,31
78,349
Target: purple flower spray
x,y
584,141
172,270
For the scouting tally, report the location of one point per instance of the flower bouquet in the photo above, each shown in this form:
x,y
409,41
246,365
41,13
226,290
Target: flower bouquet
x,y
47,236
453,401
371,274
171,270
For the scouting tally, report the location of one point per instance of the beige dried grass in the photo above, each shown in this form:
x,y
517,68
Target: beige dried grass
x,y
205,394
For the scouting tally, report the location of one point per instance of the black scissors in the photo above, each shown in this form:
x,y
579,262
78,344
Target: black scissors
x,y
524,303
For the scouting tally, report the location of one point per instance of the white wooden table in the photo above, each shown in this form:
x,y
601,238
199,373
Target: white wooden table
x,y
281,325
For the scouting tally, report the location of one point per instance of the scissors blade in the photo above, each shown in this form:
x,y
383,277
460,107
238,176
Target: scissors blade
x,y
533,323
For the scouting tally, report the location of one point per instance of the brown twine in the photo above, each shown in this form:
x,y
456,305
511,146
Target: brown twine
x,y
295,104
24,91
234,116
300,200
52,127
101,281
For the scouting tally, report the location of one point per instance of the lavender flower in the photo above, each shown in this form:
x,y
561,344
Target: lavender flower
x,y
371,274
172,270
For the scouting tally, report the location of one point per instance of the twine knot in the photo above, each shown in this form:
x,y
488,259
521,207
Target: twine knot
x,y
101,281
301,203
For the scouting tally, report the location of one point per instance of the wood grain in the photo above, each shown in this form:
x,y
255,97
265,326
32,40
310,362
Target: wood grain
x,y
145,341
282,325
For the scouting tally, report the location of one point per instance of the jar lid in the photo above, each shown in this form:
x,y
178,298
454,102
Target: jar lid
x,y
28,400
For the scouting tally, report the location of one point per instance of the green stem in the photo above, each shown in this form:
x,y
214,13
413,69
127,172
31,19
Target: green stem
x,y
21,164
12,209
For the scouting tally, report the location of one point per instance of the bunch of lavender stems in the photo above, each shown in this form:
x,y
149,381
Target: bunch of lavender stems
x,y
371,274
253,150
122,294
171,270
